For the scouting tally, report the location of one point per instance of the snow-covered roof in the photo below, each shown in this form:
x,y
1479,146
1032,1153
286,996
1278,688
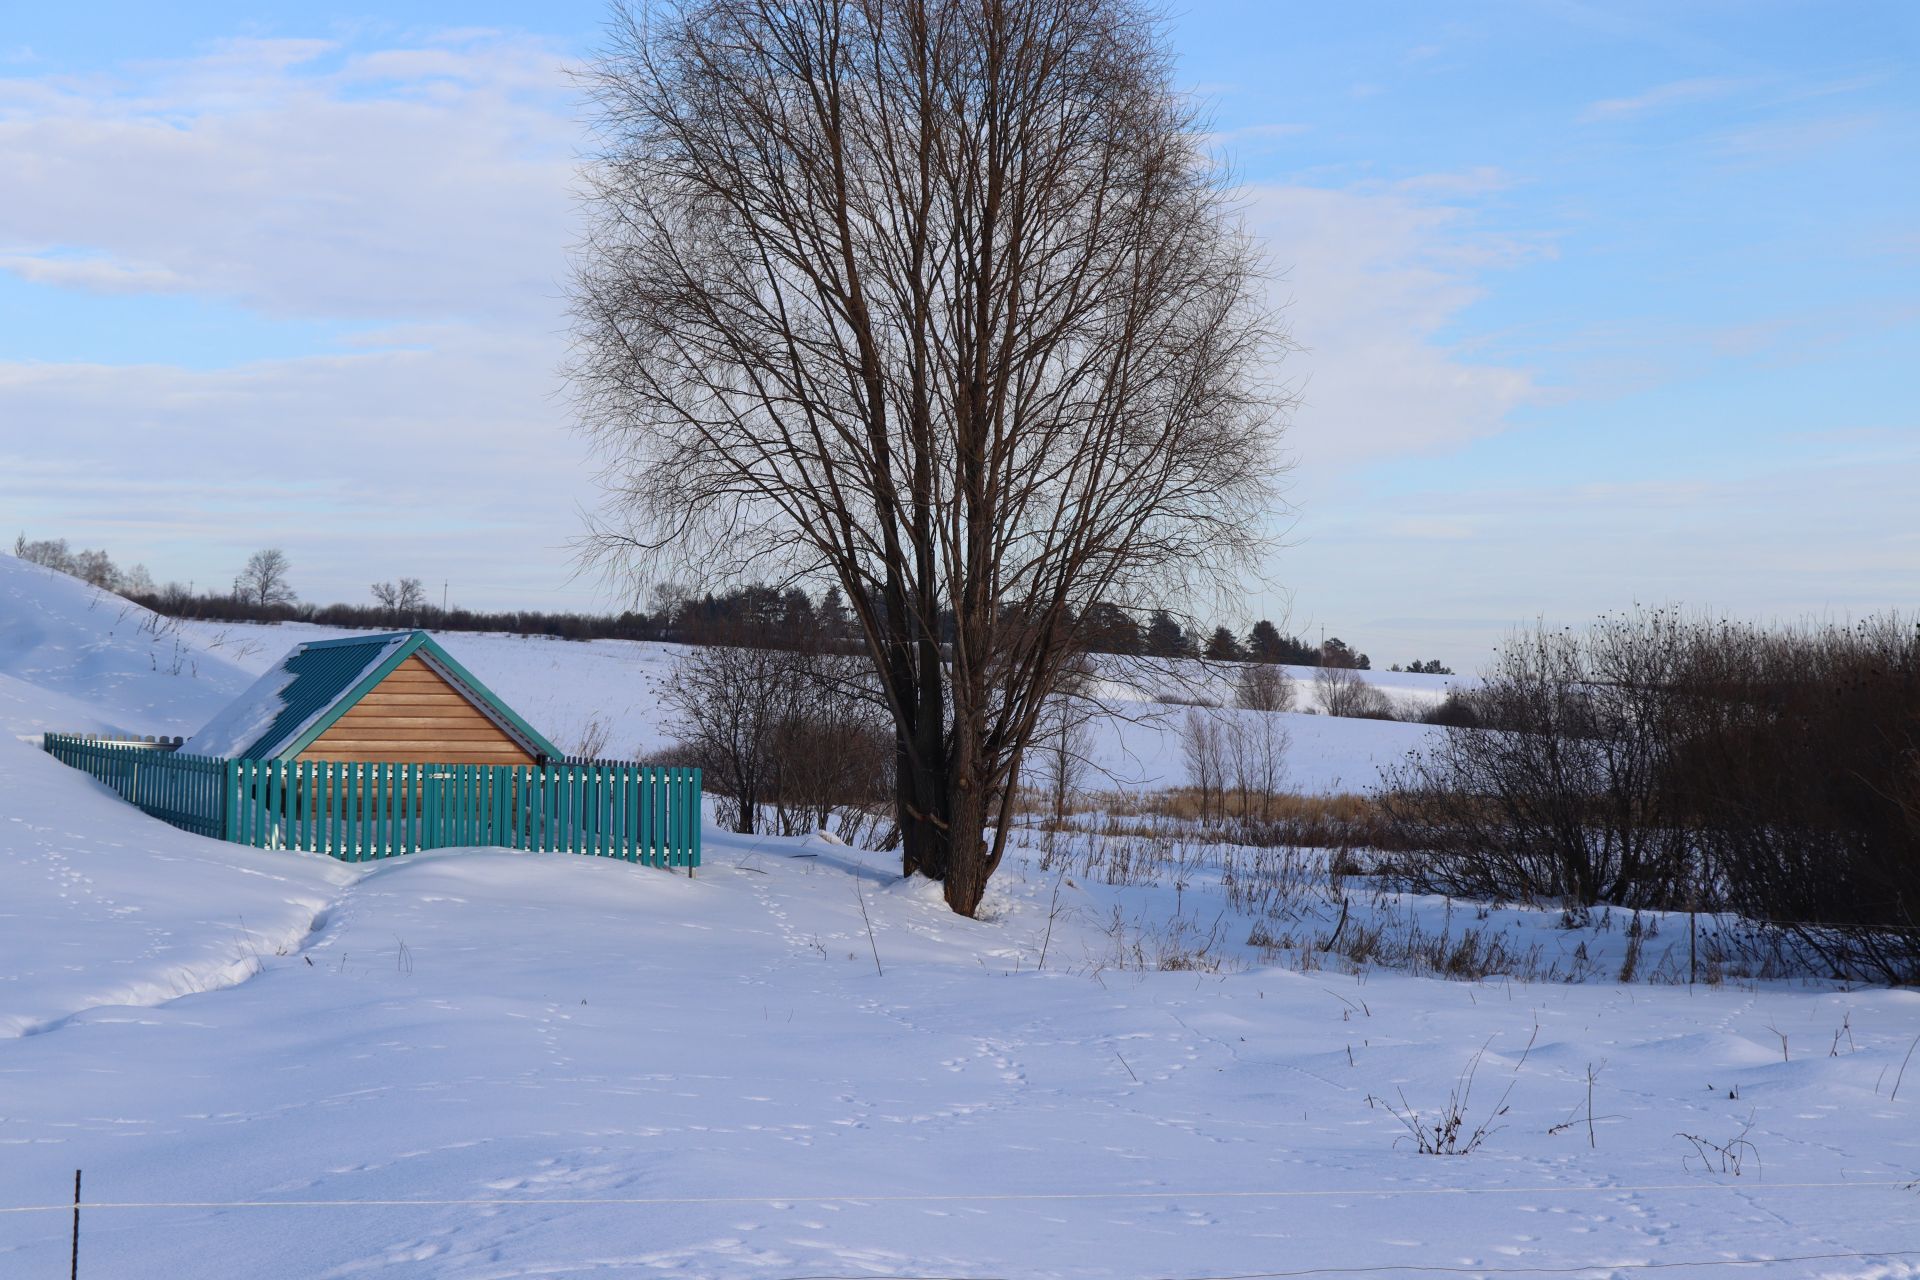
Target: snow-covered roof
x,y
305,685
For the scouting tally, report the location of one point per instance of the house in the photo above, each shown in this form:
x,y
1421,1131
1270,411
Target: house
x,y
395,698
381,745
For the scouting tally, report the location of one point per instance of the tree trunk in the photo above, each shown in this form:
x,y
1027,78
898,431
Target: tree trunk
x,y
968,867
921,811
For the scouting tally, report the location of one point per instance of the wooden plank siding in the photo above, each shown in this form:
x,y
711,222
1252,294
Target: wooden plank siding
x,y
412,715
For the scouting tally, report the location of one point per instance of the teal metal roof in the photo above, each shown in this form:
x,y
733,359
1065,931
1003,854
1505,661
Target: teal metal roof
x,y
323,672
317,683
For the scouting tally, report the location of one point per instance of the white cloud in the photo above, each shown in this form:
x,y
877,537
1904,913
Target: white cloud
x,y
94,274
1255,134
297,178
1372,279
423,192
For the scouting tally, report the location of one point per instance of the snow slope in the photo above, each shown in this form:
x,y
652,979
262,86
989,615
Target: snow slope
x,y
113,908
484,1065
77,659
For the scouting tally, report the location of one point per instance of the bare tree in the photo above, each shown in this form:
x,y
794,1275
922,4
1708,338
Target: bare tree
x,y
1343,691
1203,741
1263,686
264,579
408,595
939,302
1063,741
726,706
1256,752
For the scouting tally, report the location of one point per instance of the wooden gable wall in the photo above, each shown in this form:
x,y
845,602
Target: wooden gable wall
x,y
415,715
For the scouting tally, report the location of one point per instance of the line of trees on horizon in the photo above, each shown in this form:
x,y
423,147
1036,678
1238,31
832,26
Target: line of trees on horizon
x,y
757,615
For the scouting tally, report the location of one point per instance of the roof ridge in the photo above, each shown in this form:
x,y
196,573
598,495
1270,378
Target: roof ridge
x,y
343,642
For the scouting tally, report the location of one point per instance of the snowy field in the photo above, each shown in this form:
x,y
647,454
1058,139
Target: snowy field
x,y
490,1065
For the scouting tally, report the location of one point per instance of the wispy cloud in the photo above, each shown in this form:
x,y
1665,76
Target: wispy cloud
x,y
93,274
302,178
1678,93
421,190
1254,135
1792,137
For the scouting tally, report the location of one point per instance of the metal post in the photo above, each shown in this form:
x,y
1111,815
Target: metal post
x,y
73,1270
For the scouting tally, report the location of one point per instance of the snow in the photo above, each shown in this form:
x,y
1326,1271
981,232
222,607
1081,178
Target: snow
x,y
242,721
77,659
483,1064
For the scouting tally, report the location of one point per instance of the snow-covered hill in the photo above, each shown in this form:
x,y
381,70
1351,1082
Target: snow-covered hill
x,y
484,1065
77,659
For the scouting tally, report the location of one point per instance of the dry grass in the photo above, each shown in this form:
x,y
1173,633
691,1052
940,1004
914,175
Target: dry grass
x,y
1347,821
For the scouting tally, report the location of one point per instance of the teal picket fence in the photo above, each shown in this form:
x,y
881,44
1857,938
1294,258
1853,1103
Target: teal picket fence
x,y
360,812
190,792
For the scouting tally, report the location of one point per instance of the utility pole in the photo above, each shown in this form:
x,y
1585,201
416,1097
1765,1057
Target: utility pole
x,y
443,595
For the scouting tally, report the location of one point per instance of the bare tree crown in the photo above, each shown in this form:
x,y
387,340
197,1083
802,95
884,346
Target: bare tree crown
x,y
263,579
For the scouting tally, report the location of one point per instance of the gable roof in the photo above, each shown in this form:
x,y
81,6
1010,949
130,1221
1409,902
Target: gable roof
x,y
315,684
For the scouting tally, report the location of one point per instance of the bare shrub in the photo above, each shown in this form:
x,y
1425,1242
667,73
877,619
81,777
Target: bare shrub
x,y
1447,1133
1721,1157
1661,761
781,735
1263,686
1796,759
1343,691
1203,742
833,754
1565,800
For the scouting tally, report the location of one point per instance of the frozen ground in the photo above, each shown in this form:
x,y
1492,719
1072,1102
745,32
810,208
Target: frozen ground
x,y
491,1065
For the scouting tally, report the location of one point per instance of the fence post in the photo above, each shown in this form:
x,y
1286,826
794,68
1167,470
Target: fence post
x,y
694,822
231,828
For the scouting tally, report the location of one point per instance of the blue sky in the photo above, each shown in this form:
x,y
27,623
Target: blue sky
x,y
1597,303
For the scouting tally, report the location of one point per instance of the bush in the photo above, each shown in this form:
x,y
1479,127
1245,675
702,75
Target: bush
x,y
1564,800
1262,686
789,741
1797,756
1660,761
1455,711
1343,691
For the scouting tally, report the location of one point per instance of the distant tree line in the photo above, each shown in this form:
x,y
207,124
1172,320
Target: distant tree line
x,y
754,615
95,567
